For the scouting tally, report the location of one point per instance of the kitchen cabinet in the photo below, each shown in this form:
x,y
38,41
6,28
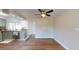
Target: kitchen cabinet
x,y
22,35
2,22
0,36
7,35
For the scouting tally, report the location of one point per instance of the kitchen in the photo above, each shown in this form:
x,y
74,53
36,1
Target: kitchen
x,y
12,28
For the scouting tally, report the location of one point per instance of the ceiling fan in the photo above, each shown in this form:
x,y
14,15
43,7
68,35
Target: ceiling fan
x,y
44,13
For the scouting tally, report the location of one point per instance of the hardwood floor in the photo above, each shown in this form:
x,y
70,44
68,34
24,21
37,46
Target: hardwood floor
x,y
32,44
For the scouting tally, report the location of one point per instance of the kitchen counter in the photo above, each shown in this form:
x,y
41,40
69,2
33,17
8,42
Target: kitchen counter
x,y
14,30
10,34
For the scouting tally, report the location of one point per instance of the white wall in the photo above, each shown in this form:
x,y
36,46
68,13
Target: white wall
x,y
66,29
42,28
31,27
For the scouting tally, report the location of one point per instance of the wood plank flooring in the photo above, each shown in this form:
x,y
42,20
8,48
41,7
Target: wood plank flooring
x,y
32,44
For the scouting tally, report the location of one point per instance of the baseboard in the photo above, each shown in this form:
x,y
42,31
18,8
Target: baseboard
x,y
62,44
42,37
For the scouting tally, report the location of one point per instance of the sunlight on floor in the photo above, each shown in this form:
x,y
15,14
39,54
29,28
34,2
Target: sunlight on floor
x,y
7,41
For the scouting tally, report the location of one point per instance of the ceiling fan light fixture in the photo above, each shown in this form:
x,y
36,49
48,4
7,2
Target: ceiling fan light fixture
x,y
43,15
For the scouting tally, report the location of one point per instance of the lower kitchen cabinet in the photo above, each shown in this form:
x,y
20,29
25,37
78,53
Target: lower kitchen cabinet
x,y
0,36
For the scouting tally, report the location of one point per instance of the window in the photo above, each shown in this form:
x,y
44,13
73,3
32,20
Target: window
x,y
17,25
14,26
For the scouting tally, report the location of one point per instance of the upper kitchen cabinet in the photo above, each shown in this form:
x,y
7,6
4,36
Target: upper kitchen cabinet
x,y
2,24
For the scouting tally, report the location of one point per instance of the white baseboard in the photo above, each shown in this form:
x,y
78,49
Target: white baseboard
x,y
42,37
62,44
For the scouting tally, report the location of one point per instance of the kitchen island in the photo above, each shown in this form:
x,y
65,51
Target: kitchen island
x,y
9,34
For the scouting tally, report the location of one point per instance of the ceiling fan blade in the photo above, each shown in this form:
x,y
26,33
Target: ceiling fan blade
x,y
40,10
48,15
49,11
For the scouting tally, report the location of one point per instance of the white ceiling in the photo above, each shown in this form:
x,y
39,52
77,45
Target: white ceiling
x,y
30,13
